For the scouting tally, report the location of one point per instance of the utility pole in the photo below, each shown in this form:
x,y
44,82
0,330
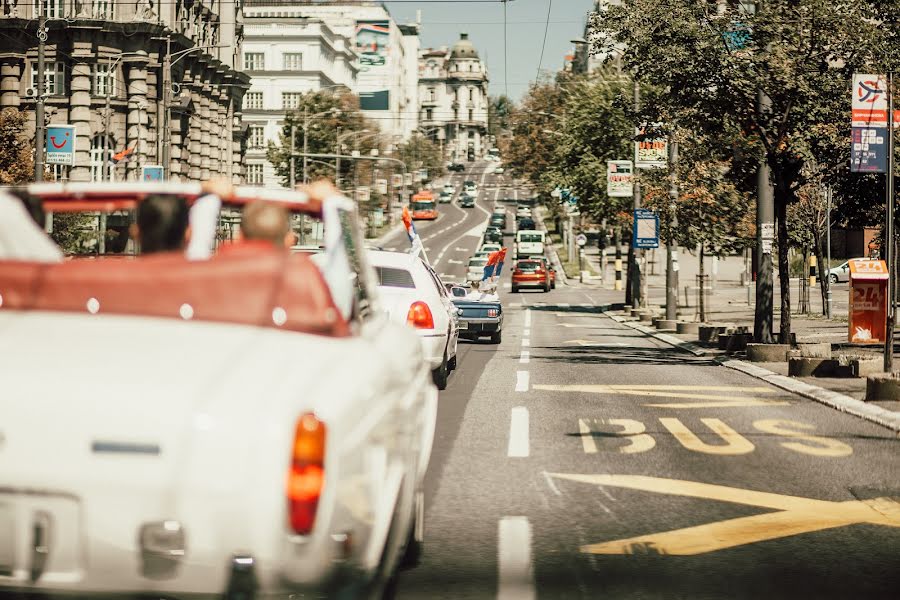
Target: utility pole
x,y
889,233
107,166
634,270
39,141
305,144
671,246
293,177
765,234
167,110
827,268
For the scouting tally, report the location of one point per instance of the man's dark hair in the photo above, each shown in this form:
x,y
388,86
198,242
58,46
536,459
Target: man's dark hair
x,y
33,205
162,222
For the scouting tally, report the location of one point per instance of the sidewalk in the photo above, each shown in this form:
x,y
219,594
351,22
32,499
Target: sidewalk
x,y
731,303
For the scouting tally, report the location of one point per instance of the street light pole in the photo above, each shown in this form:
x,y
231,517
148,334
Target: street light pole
x,y
671,246
292,177
166,101
305,143
634,270
765,234
889,233
39,125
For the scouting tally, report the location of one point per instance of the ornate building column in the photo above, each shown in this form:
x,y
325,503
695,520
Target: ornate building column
x,y
194,134
11,66
205,130
80,117
137,113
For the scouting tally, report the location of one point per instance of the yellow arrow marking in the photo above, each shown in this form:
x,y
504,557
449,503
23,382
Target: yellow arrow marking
x,y
796,515
708,400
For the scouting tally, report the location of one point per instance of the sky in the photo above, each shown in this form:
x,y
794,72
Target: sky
x,y
443,20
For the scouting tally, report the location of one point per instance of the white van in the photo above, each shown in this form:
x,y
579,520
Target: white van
x,y
529,243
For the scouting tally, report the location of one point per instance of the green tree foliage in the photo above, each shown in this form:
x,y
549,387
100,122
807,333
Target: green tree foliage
x,y
328,115
16,150
712,60
499,111
419,152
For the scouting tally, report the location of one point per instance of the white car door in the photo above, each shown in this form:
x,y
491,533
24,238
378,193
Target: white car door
x,y
452,313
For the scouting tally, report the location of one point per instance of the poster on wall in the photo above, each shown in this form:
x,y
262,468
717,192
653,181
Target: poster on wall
x,y
374,51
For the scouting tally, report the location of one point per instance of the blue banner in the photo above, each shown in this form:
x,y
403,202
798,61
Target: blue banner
x,y
60,145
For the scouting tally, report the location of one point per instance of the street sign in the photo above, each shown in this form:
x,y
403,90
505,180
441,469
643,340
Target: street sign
x,y
60,145
397,180
407,179
152,173
869,150
362,193
870,101
646,228
581,239
619,178
381,186
767,235
650,152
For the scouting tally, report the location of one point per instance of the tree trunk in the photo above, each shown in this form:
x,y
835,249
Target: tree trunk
x,y
784,271
631,277
702,291
822,272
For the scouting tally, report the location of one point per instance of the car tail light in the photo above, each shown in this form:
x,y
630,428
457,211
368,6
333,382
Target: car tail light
x,y
517,272
306,477
493,312
419,316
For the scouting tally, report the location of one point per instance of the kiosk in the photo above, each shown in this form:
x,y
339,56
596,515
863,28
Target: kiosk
x,y
868,301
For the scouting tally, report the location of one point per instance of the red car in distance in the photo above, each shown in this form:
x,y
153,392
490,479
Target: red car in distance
x,y
531,273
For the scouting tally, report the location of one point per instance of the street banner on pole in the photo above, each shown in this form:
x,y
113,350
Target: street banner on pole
x,y
870,100
152,173
362,193
646,228
397,180
61,145
381,186
650,152
619,178
407,179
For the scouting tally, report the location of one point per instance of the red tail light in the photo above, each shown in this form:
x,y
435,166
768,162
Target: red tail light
x,y
492,312
517,272
419,316
306,477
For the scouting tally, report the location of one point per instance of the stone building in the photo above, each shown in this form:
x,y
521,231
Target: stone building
x,y
453,99
158,78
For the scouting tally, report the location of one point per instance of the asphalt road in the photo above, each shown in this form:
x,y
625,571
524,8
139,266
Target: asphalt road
x,y
582,459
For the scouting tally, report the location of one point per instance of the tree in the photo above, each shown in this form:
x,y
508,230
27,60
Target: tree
x,y
16,151
419,152
329,115
499,110
713,59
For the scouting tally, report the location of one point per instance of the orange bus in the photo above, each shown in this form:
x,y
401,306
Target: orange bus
x,y
423,207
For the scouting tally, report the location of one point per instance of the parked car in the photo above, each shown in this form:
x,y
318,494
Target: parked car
x,y
415,295
494,235
841,273
530,273
529,243
475,268
206,438
466,201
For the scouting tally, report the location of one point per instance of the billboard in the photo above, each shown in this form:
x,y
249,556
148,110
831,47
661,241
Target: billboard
x,y
374,49
152,173
619,178
60,145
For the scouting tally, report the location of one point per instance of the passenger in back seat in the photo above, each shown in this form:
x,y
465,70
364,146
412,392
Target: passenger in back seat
x,y
267,222
162,224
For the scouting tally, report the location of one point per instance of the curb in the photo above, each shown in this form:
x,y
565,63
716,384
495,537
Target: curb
x,y
846,404
689,347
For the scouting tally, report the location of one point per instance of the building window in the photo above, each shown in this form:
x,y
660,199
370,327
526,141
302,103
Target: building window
x,y
255,174
101,151
53,9
257,136
429,114
54,78
253,101
104,80
432,95
290,100
254,61
103,9
471,94
293,61
471,115
455,114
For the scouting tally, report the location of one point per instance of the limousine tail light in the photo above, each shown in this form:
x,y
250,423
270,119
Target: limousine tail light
x,y
306,477
419,316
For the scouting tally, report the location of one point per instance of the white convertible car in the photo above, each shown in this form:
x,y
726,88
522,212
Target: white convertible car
x,y
245,426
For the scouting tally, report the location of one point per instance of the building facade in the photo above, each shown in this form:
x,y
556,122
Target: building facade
x,y
286,55
453,99
158,79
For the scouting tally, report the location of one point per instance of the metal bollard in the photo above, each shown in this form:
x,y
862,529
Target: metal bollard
x,y
618,274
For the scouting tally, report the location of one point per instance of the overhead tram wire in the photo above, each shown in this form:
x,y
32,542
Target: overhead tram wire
x,y
544,43
505,50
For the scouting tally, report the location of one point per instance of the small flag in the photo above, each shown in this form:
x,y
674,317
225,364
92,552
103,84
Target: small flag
x,y
499,267
116,158
410,226
491,265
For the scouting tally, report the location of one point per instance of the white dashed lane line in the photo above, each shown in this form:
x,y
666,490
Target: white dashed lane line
x,y
524,357
515,580
518,433
522,378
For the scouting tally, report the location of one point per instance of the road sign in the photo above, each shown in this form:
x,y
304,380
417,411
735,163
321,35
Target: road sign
x,y
60,145
870,101
646,228
581,239
381,186
619,178
152,173
650,152
868,150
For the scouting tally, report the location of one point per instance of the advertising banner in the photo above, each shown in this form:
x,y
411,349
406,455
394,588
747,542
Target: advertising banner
x,y
152,173
619,178
60,145
646,228
870,101
650,152
374,50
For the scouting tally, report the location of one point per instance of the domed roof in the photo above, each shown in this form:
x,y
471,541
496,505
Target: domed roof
x,y
463,48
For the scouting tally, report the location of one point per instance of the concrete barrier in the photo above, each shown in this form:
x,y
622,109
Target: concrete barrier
x,y
685,327
767,352
884,386
734,342
709,334
646,317
814,350
667,324
812,367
